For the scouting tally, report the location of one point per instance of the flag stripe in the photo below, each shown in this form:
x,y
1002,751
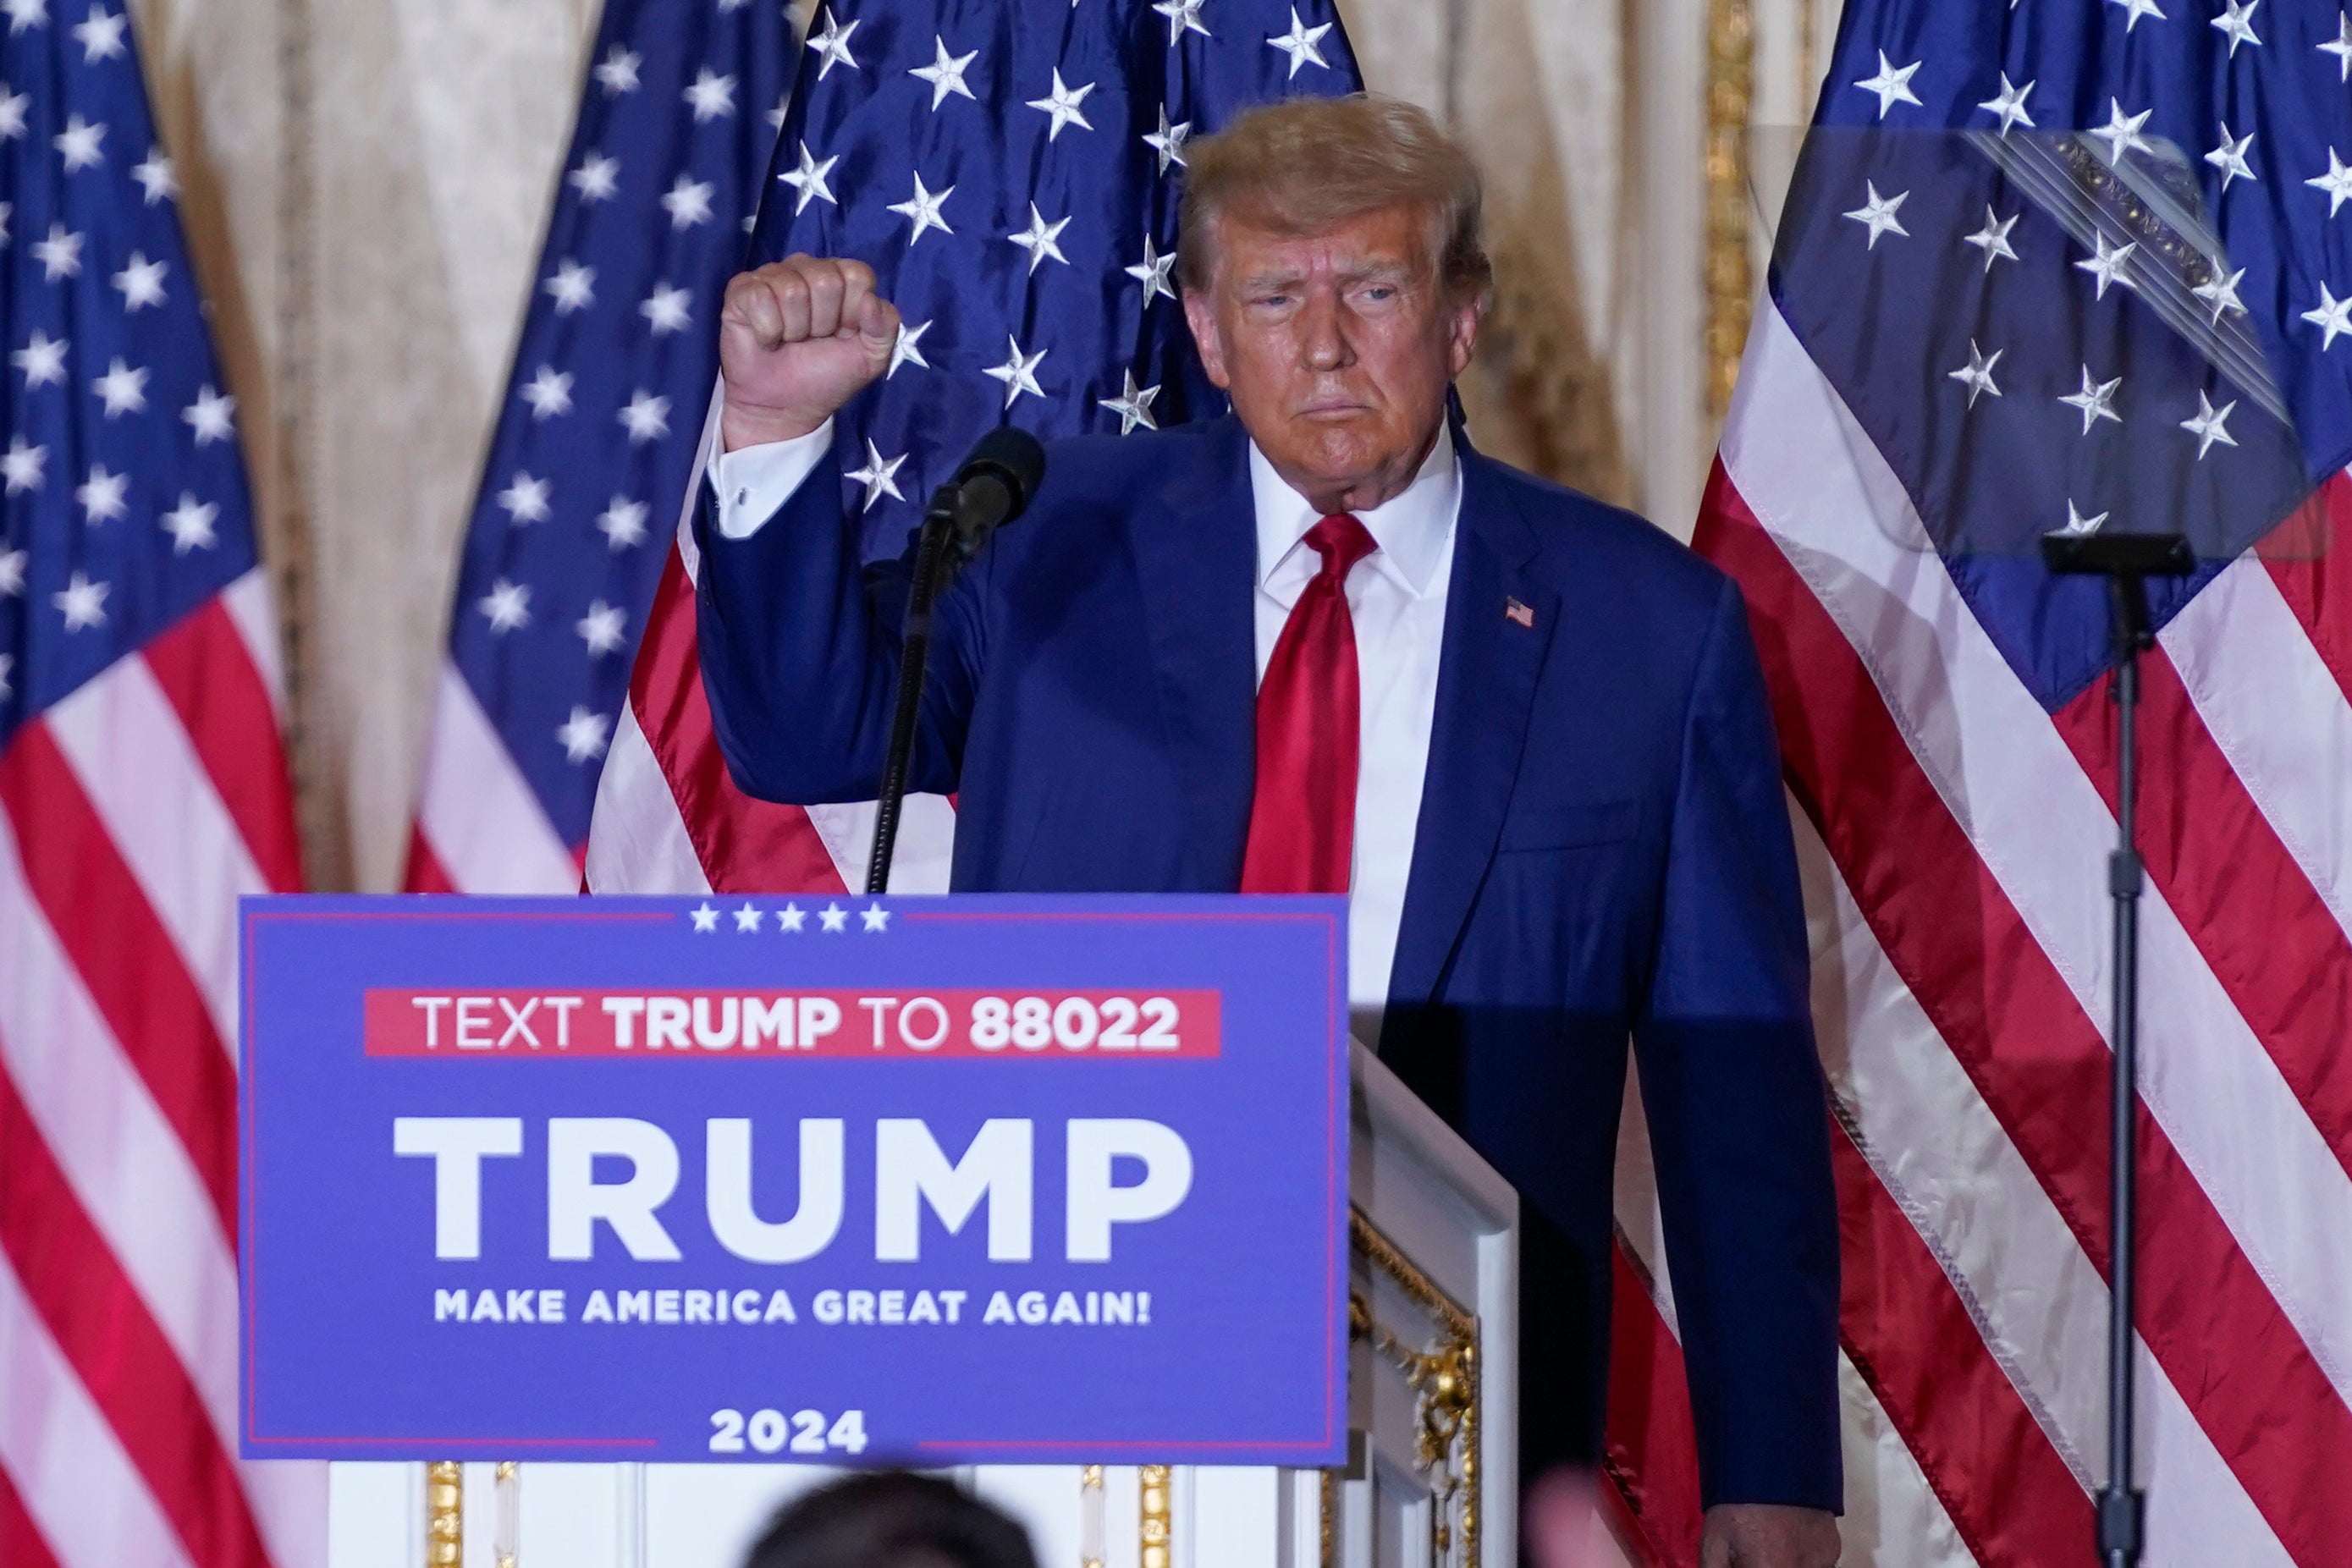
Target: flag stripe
x,y
488,832
21,1545
1892,1513
104,1333
207,673
253,610
1652,1449
425,873
142,778
113,940
2314,578
88,1502
640,845
2038,1065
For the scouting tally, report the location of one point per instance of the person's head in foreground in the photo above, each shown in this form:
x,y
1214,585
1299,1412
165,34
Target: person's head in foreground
x,y
1334,278
891,1520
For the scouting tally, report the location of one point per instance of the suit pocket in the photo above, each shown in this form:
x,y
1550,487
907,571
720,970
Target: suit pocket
x,y
1570,826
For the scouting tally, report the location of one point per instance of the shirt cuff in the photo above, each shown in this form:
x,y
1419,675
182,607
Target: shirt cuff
x,y
752,483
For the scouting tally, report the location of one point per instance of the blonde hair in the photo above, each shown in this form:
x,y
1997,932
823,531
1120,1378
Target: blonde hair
x,y
1304,165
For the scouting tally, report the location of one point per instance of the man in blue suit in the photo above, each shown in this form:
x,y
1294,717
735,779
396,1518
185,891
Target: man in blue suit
x,y
1323,644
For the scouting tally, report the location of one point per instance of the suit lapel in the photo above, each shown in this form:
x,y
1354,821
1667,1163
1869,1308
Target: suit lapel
x,y
1485,691
1196,558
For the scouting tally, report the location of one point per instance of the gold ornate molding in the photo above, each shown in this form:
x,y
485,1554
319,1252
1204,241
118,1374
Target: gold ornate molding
x,y
1445,1375
1730,277
445,1514
1157,1534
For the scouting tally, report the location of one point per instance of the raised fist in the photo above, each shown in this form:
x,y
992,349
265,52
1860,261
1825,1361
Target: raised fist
x,y
797,338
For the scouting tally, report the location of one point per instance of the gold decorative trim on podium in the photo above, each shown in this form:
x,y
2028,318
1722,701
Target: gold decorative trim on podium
x,y
1158,1535
445,1514
1730,276
1445,1375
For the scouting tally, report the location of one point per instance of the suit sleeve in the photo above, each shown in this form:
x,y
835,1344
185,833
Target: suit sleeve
x,y
1738,1113
799,646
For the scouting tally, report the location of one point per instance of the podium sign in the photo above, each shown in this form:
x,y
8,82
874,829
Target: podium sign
x,y
1001,1180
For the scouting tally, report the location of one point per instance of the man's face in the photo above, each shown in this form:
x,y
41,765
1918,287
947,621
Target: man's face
x,y
1336,349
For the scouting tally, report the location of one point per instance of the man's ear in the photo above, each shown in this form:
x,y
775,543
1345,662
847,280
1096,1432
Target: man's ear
x,y
1462,333
1201,315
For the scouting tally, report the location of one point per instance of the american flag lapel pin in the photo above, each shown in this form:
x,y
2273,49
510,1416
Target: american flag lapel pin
x,y
1519,614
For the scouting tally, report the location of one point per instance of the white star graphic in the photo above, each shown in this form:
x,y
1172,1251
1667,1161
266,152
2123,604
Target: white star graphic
x,y
775,117
2212,424
24,14
508,605
210,415
59,254
1183,16
141,281
2336,182
665,309
2009,104
1133,406
584,735
2106,264
1877,213
2137,8
100,35
1153,273
687,202
156,177
622,523
646,417
876,917
42,359
2121,132
11,574
791,917
596,178
82,601
1062,105
2097,400
832,46
711,94
1038,239
2231,157
833,917
78,144
124,388
922,209
1300,43
525,499
944,73
1891,86
2222,294
21,465
904,350
1993,238
573,287
1168,141
878,476
1018,372
2334,316
808,180
1976,374
549,392
601,627
2077,524
2237,21
748,918
705,917
12,114
103,495
617,72
2341,46
190,524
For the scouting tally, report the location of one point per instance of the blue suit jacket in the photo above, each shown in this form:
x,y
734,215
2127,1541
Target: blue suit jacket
x,y
1603,852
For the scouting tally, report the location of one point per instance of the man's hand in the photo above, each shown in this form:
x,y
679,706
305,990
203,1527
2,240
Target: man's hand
x,y
1768,1535
797,338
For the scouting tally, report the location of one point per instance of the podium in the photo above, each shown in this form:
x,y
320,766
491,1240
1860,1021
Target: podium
x,y
1424,1479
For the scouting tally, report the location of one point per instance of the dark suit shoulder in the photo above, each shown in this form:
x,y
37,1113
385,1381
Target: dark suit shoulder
x,y
1589,546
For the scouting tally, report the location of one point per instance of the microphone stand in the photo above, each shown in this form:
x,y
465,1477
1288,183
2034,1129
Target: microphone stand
x,y
914,657
2126,561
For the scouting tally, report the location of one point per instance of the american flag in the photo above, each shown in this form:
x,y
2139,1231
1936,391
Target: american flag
x,y
2045,264
597,439
142,789
1012,175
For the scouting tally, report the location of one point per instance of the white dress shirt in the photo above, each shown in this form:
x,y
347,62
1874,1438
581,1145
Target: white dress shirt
x,y
1396,597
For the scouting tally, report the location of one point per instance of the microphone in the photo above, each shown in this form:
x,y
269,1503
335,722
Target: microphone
x,y
994,487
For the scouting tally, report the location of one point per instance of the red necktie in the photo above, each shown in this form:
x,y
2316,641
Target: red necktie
x,y
1302,830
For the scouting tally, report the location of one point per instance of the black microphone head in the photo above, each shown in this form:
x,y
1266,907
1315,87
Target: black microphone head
x,y
1015,458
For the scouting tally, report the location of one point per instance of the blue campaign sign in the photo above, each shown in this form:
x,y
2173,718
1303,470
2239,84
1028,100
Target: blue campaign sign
x,y
936,1181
